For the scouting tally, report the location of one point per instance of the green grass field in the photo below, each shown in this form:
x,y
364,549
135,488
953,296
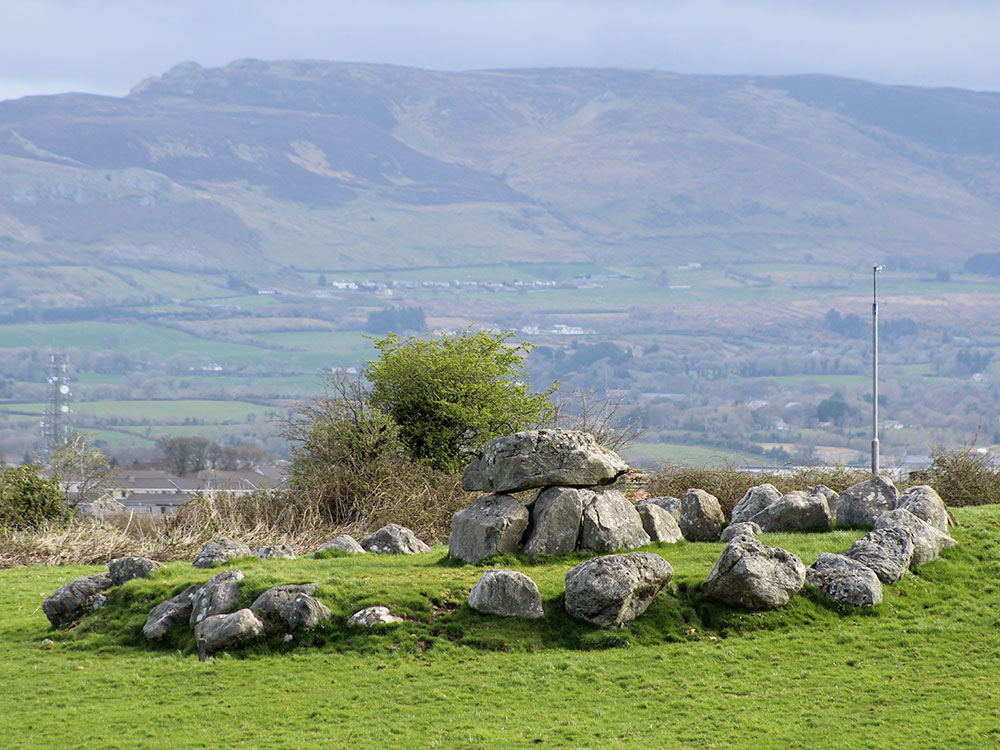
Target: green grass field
x,y
918,671
657,454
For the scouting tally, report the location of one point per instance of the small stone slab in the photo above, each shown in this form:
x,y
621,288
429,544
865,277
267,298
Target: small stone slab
x,y
344,543
659,523
611,522
219,551
507,593
887,551
221,631
613,590
168,613
844,581
393,539
217,596
556,518
124,569
492,525
369,617
77,598
279,552
701,516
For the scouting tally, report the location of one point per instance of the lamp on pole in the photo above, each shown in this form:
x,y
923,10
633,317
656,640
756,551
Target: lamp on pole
x,y
875,270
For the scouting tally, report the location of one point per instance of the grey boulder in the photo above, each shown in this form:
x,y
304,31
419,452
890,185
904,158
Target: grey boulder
x,y
832,497
925,503
123,569
393,539
927,540
279,552
369,617
844,581
77,598
743,528
613,590
542,458
750,575
701,516
508,593
170,612
556,518
658,523
861,504
887,551
670,504
217,596
795,511
223,630
343,543
754,500
492,525
610,522
219,551
290,607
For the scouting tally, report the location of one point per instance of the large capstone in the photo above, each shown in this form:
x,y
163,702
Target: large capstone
x,y
508,593
542,458
754,500
393,539
927,540
217,596
223,630
887,551
610,522
750,575
290,607
123,569
77,598
861,504
615,589
170,612
556,517
701,516
844,581
925,503
795,511
492,525
219,551
659,523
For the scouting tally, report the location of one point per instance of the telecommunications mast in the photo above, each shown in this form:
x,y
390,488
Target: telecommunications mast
x,y
57,428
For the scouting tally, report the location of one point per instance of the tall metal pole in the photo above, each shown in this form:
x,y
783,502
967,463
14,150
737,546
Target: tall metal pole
x,y
875,270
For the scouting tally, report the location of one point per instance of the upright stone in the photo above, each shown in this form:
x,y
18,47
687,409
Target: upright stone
x,y
659,523
508,593
887,551
615,589
217,596
754,500
750,575
556,517
743,528
927,540
832,497
611,522
542,458
861,504
670,504
492,525
701,516
925,503
275,552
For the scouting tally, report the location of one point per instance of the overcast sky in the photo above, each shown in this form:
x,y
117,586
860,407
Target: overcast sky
x,y
107,46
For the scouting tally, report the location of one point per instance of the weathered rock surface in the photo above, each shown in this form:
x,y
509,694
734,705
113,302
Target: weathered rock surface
x,y
344,543
610,522
670,504
223,630
217,596
542,458
556,518
393,539
845,581
754,500
219,551
279,552
508,593
743,528
925,503
832,497
168,613
658,523
750,575
861,504
795,511
290,607
493,524
369,617
701,516
927,540
77,598
615,589
887,551
123,569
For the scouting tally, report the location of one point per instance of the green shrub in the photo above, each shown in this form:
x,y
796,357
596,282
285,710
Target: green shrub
x,y
28,499
962,476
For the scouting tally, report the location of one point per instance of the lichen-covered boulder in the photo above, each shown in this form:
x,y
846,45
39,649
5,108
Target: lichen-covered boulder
x,y
832,497
861,504
170,612
290,607
613,590
217,596
556,518
844,581
369,617
743,528
77,598
393,539
750,575
219,551
701,516
492,525
275,552
123,569
754,500
659,523
925,503
927,540
344,543
508,593
610,522
542,458
670,504
220,631
887,551
795,511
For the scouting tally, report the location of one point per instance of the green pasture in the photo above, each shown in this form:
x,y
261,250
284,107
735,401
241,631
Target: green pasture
x,y
169,411
650,455
917,671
